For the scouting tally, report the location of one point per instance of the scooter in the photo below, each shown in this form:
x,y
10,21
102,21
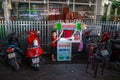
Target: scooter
x,y
34,50
101,47
85,42
12,58
99,52
2,57
13,52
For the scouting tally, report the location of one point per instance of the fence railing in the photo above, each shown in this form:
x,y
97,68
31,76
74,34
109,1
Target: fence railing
x,y
44,29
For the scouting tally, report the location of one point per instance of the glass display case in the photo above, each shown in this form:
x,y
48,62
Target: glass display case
x,y
34,12
41,9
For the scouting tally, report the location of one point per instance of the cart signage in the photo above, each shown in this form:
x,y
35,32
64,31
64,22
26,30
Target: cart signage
x,y
64,51
68,26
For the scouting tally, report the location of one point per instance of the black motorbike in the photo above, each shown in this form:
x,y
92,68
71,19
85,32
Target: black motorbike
x,y
13,51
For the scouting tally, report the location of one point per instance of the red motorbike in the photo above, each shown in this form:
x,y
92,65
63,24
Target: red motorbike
x,y
34,50
1,52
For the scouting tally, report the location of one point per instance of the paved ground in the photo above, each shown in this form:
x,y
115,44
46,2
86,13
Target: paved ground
x,y
74,70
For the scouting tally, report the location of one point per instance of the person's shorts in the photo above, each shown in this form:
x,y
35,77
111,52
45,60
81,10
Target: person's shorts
x,y
54,50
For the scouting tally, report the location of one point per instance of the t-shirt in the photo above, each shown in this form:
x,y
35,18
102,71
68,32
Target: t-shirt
x,y
55,43
67,33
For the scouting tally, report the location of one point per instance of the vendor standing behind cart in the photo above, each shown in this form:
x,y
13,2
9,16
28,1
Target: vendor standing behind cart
x,y
66,33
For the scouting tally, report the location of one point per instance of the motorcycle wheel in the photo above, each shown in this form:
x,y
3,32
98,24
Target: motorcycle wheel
x,y
3,57
15,65
36,66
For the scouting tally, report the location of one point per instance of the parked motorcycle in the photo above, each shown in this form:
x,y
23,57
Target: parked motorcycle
x,y
101,49
2,57
34,50
13,51
85,42
12,58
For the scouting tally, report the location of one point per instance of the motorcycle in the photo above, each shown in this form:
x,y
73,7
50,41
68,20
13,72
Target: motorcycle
x,y
13,51
1,53
34,50
12,60
99,52
100,49
85,42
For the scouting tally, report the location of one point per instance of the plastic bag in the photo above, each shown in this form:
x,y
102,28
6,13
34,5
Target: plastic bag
x,y
80,48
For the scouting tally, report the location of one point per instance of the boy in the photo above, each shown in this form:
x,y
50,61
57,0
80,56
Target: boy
x,y
54,45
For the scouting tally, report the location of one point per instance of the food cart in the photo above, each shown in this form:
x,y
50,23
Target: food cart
x,y
64,45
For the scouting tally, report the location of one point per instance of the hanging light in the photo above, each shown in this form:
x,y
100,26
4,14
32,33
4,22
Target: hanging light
x,y
106,2
44,1
90,3
68,2
9,4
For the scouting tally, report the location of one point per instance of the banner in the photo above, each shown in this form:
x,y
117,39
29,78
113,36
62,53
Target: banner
x,y
68,26
64,51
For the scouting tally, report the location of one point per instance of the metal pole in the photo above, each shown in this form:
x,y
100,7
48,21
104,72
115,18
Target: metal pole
x,y
48,6
98,9
6,16
29,8
73,5
109,10
6,12
16,5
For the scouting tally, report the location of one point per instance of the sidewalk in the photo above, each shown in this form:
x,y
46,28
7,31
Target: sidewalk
x,y
57,71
